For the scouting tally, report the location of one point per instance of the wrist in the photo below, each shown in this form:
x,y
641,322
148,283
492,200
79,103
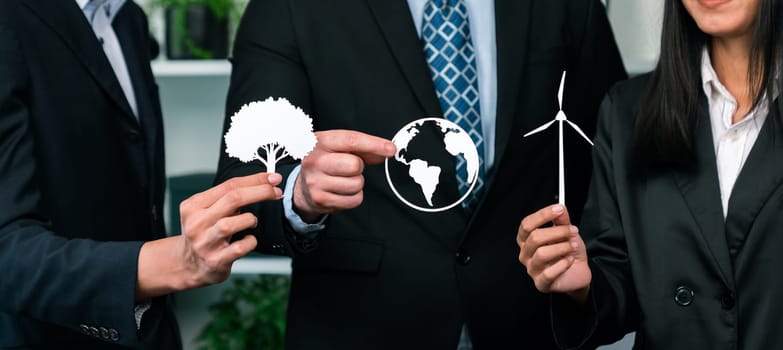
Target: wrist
x,y
159,271
301,204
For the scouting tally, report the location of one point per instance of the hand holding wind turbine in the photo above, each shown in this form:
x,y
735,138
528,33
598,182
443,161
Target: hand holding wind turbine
x,y
560,118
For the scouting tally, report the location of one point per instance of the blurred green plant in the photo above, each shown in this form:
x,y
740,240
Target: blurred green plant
x,y
249,315
221,9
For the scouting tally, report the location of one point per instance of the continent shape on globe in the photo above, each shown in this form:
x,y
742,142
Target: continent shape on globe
x,y
428,177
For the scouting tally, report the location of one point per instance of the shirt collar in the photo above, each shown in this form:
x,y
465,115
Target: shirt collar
x,y
709,78
112,7
715,90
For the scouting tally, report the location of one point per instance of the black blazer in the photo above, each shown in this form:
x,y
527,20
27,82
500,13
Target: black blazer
x,y
384,276
76,163
665,263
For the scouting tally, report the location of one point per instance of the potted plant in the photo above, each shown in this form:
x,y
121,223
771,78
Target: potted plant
x,y
249,315
198,29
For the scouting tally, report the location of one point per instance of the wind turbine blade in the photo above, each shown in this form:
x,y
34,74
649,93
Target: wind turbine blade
x,y
580,132
540,128
560,92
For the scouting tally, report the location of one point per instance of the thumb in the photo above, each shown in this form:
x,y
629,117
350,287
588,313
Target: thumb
x,y
563,218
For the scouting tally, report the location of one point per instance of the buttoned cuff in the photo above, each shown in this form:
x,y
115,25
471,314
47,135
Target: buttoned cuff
x,y
300,227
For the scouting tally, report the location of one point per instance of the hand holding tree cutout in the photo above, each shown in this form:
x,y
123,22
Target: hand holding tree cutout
x,y
273,126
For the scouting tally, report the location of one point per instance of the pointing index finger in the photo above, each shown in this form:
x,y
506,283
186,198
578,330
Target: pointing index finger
x,y
371,149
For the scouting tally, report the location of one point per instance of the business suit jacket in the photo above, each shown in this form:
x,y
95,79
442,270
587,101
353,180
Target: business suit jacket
x,y
76,163
664,261
384,276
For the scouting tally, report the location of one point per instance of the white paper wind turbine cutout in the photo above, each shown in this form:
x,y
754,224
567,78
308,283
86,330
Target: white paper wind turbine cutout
x,y
560,118
275,126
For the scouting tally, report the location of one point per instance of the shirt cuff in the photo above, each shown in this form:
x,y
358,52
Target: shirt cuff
x,y
139,311
300,227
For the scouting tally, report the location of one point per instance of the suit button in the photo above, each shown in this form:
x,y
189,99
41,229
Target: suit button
x,y
683,296
463,257
95,332
133,135
114,335
84,329
104,333
727,300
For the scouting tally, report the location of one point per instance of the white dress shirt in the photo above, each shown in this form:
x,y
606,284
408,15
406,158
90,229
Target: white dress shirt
x,y
481,17
733,141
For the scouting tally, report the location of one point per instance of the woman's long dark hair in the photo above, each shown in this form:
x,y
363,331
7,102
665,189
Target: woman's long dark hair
x,y
668,111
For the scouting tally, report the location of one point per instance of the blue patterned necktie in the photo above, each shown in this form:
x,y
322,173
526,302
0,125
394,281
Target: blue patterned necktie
x,y
452,60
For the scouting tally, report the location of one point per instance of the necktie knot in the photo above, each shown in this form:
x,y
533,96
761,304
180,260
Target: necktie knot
x,y
91,8
109,7
444,3
446,7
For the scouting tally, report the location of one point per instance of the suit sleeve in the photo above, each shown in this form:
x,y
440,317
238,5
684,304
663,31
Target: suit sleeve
x,y
266,63
612,309
74,283
594,66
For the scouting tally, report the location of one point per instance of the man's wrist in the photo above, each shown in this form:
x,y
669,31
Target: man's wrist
x,y
160,272
302,226
299,203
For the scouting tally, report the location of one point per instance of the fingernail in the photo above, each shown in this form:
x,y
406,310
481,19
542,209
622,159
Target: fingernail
x,y
275,178
557,209
574,244
278,192
574,229
570,258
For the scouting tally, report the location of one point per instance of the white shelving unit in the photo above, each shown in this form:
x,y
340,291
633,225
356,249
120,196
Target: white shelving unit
x,y
262,265
195,68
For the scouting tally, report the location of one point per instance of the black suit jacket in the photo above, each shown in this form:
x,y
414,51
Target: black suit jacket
x,y
383,276
665,262
76,163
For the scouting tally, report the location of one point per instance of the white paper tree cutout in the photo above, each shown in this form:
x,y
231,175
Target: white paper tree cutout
x,y
560,118
276,127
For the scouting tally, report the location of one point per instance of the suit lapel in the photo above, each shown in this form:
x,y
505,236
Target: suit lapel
x,y
67,20
137,60
700,188
394,19
512,18
761,175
